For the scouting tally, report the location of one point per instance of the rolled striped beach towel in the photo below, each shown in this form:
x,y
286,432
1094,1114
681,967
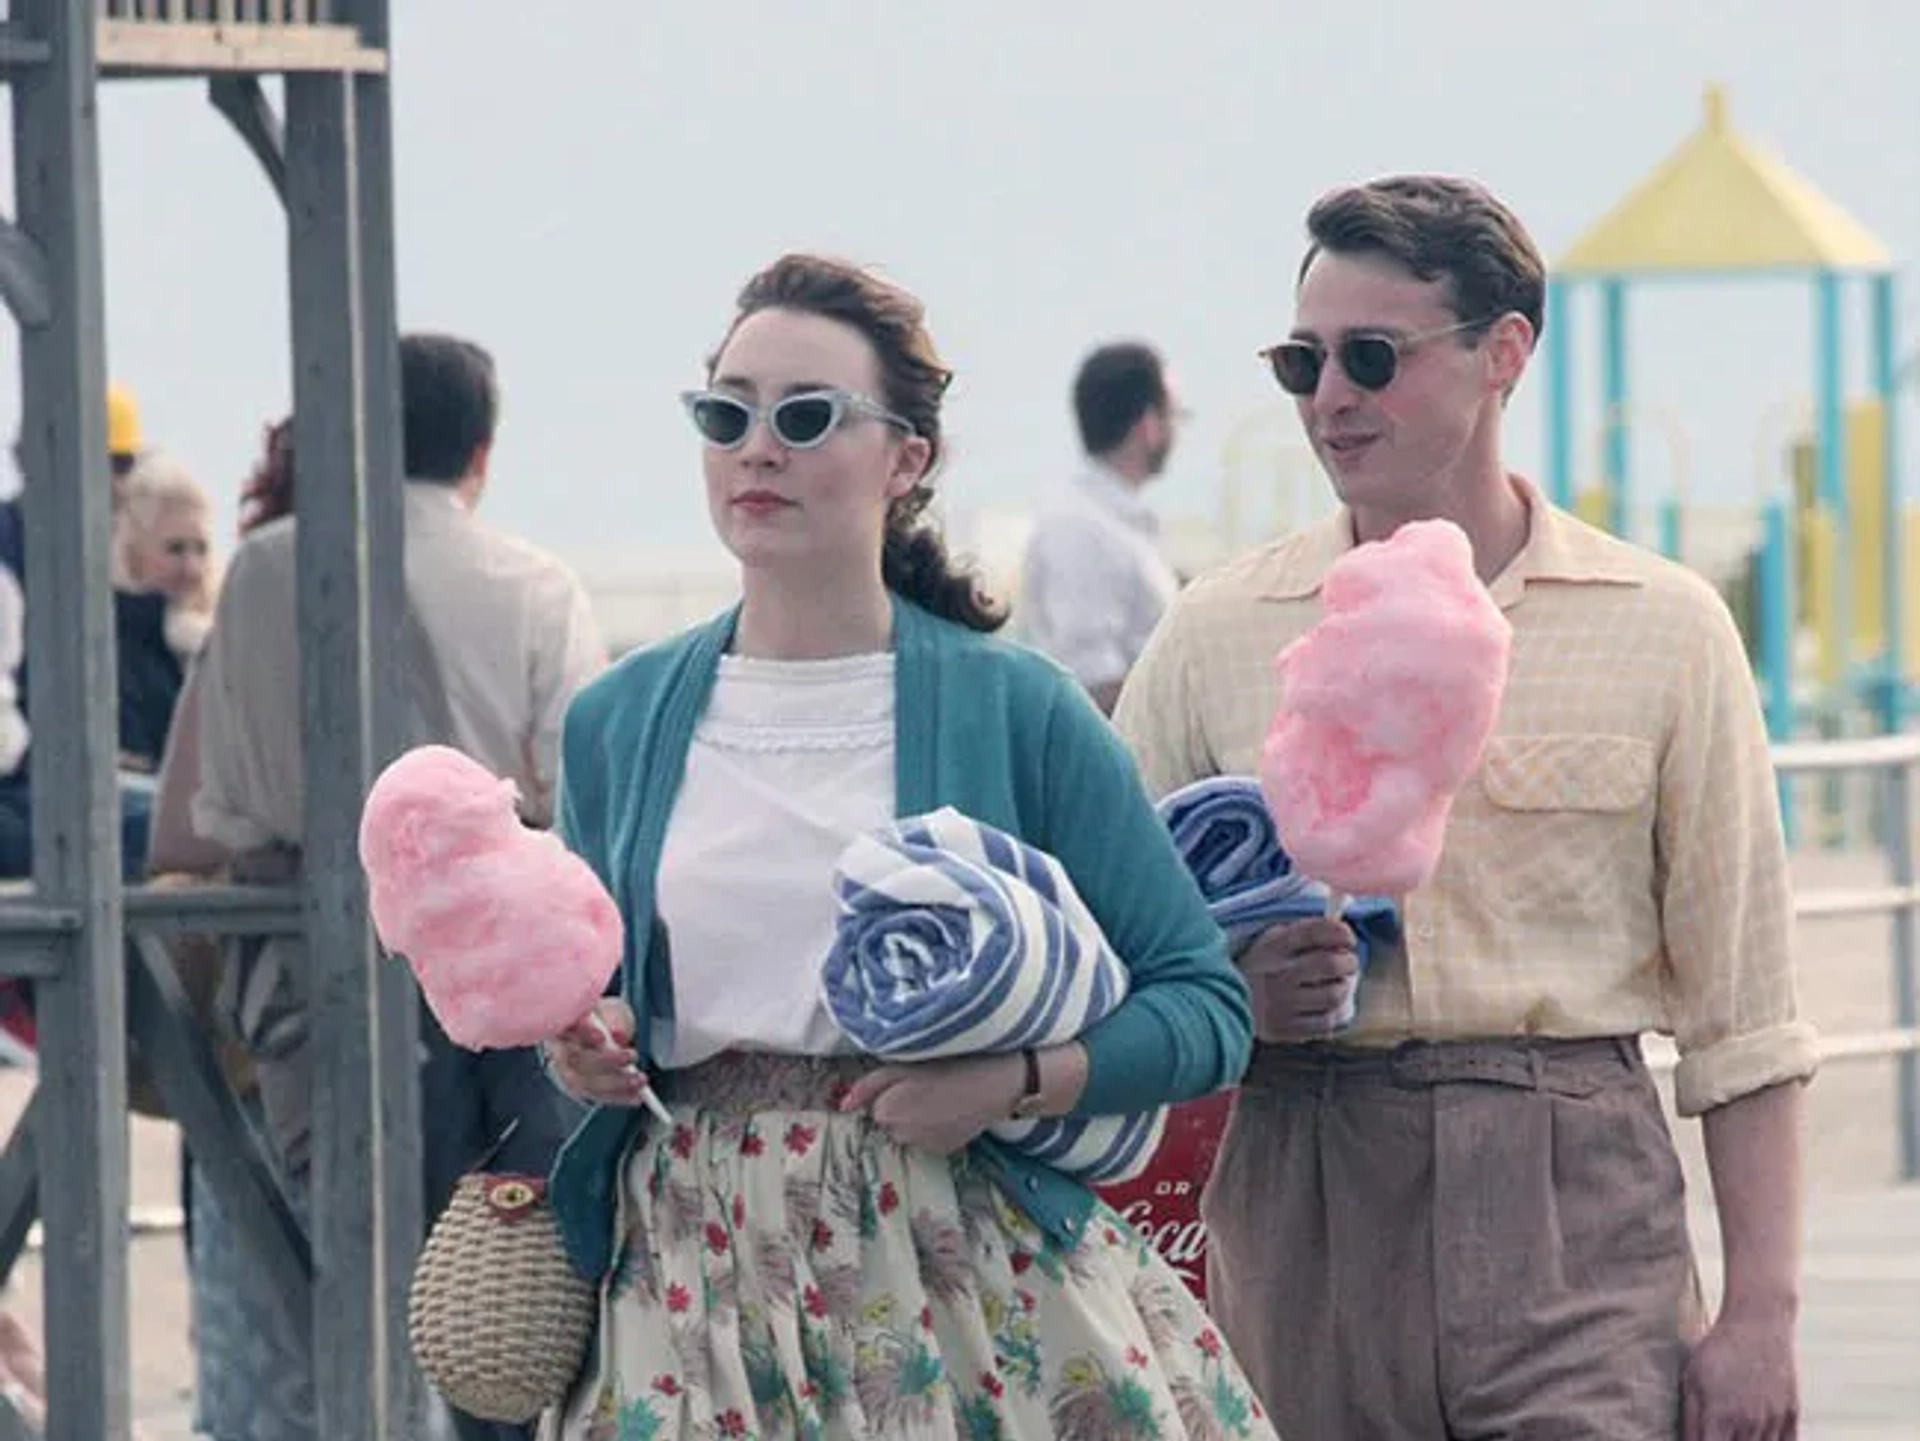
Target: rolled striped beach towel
x,y
1225,834
958,939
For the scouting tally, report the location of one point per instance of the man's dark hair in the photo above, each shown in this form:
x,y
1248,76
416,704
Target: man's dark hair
x,y
1438,227
1117,384
450,403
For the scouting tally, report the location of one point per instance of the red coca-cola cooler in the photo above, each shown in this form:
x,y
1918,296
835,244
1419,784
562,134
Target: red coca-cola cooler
x,y
1163,1202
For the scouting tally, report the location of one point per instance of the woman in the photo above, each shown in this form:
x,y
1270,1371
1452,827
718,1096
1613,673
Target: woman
x,y
163,545
820,1247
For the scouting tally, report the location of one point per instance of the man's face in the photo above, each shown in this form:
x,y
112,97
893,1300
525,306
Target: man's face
x,y
1160,427
1389,447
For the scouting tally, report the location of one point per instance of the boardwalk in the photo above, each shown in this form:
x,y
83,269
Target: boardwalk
x,y
1860,1329
1860,1318
1860,1326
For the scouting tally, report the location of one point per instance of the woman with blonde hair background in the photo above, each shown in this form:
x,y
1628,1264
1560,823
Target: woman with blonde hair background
x,y
163,544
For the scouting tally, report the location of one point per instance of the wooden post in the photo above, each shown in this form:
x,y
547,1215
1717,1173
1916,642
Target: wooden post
x,y
329,392
397,998
76,794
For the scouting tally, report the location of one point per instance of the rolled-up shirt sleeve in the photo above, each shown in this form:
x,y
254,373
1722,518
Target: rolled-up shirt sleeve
x,y
1724,889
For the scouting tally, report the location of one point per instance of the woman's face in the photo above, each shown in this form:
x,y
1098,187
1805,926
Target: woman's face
x,y
819,508
170,555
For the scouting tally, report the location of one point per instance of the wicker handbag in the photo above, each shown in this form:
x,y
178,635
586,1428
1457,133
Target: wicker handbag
x,y
498,1317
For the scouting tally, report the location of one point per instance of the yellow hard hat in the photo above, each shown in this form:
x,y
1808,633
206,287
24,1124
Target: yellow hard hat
x,y
123,420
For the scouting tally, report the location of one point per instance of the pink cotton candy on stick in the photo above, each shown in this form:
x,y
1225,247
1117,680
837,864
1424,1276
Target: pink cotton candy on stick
x,y
1386,706
511,935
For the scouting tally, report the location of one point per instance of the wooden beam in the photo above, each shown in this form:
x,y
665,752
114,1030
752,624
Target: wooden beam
x,y
76,796
19,1185
222,1139
243,100
350,1338
398,1001
150,47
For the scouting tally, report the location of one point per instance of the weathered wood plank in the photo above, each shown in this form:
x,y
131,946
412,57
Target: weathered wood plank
x,y
329,388
19,1186
402,1202
197,1096
142,47
70,636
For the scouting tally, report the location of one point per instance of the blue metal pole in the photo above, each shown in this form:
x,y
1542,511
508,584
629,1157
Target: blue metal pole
x,y
1774,620
1671,531
1828,372
1559,340
1614,351
1893,511
1829,384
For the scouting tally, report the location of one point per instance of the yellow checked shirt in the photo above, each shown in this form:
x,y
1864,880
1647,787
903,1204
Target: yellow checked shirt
x,y
1615,866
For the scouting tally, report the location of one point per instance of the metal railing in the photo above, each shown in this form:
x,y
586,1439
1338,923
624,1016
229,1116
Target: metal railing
x,y
1893,759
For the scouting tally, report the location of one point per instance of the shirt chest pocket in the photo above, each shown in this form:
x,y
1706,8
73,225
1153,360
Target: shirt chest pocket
x,y
1587,774
1569,835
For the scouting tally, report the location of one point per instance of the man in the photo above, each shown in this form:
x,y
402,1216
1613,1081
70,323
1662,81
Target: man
x,y
1464,1216
1094,581
504,636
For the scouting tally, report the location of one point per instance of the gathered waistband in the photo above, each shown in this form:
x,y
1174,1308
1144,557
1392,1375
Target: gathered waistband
x,y
763,1081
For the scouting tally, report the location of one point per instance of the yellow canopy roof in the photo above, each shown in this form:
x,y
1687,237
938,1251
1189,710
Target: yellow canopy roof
x,y
1721,203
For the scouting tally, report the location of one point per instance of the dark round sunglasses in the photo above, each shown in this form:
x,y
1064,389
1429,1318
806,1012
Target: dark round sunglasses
x,y
799,422
1369,359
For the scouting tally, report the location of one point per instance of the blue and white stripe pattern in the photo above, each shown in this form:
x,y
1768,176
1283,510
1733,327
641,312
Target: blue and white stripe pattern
x,y
956,939
1224,832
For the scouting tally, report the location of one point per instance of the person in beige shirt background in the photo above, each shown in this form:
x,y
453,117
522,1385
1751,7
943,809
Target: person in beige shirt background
x,y
1464,1215
502,634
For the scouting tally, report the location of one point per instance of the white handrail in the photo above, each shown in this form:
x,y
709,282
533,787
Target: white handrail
x,y
1895,757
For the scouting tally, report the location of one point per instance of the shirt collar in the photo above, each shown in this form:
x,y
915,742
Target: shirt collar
x,y
432,496
1113,492
1560,549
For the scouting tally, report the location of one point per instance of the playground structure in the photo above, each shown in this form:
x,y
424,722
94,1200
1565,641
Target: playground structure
x,y
1824,602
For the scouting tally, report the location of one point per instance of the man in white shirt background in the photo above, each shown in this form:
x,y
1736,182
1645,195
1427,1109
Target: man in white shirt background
x,y
1094,581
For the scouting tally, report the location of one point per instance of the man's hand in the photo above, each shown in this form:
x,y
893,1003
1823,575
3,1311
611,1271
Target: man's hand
x,y
1303,975
1740,1384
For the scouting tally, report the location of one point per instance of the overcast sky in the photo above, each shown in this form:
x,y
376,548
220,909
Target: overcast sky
x,y
584,194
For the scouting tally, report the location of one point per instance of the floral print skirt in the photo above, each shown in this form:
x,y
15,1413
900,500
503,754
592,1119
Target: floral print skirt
x,y
789,1271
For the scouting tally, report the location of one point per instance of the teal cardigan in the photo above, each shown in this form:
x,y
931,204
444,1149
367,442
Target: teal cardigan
x,y
999,733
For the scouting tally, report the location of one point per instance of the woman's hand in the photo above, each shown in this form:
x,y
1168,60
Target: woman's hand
x,y
940,1106
594,1059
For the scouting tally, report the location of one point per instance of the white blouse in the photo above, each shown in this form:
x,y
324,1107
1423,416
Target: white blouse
x,y
791,761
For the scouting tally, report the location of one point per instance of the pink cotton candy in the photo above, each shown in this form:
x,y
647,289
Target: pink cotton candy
x,y
1386,705
511,936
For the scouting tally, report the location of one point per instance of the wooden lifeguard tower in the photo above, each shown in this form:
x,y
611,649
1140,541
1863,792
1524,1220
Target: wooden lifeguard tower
x,y
1722,207
93,951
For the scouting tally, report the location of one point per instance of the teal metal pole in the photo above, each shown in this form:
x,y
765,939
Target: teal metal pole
x,y
1672,535
1559,338
1773,602
1614,350
1828,374
1776,614
1829,388
1893,512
